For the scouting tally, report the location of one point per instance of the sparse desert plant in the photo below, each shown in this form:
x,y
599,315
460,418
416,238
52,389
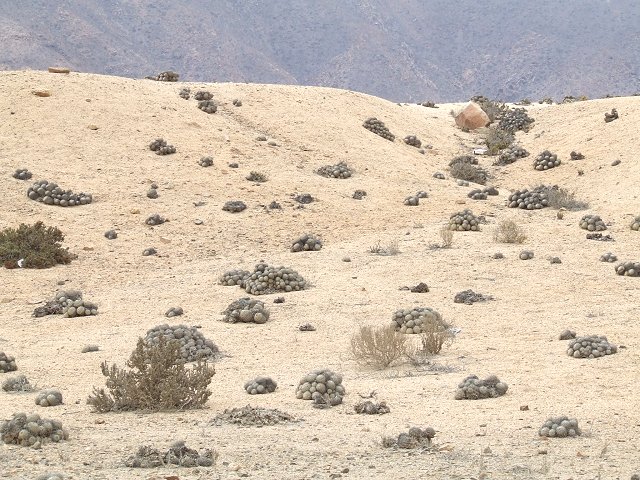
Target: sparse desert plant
x,y
7,363
469,172
415,438
322,386
447,237
509,231
497,139
378,347
494,109
49,398
434,336
19,383
178,454
256,177
156,380
31,430
559,197
33,246
390,249
249,416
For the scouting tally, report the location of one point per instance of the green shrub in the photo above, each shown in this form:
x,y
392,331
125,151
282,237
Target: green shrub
x,y
38,245
157,380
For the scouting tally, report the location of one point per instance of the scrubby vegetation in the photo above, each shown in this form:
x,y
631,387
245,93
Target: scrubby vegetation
x,y
466,168
378,347
33,246
156,379
509,231
497,139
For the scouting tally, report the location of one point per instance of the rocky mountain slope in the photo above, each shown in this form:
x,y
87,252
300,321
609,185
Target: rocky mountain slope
x,y
403,50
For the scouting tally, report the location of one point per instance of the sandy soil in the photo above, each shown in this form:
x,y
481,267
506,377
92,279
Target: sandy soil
x,y
514,336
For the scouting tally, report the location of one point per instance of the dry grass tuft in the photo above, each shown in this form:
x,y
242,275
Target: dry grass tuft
x,y
468,172
435,335
391,248
509,231
559,197
378,347
447,237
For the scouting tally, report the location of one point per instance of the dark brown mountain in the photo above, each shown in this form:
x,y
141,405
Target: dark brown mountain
x,y
404,50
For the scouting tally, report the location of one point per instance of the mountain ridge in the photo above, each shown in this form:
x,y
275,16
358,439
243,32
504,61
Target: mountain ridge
x,y
400,50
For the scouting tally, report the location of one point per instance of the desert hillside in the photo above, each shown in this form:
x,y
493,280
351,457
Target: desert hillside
x,y
92,134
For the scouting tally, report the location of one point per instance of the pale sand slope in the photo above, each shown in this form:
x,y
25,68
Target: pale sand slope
x,y
514,337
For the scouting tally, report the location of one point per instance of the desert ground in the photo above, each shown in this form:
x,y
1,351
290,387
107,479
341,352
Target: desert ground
x,y
515,336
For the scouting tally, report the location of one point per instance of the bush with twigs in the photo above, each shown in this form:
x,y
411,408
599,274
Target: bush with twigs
x,y
509,231
378,347
157,379
434,336
465,167
447,237
559,197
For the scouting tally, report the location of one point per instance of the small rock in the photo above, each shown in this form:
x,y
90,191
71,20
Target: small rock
x,y
346,259
524,408
58,70
615,162
42,93
92,127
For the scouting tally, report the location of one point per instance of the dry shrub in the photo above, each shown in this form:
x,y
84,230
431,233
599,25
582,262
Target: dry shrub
x,y
391,248
378,347
157,380
509,231
447,237
434,336
38,245
559,197
468,172
494,109
497,139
